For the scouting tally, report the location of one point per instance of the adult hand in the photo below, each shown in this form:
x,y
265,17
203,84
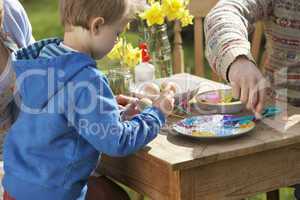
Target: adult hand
x,y
248,84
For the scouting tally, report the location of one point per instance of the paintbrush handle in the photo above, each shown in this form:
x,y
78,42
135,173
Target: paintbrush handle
x,y
268,112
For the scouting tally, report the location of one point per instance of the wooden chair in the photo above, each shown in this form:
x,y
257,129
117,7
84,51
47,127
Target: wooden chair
x,y
200,9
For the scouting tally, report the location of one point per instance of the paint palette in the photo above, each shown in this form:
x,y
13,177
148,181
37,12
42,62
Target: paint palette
x,y
209,127
219,101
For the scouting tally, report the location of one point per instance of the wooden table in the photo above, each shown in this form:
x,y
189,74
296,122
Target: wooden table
x,y
177,168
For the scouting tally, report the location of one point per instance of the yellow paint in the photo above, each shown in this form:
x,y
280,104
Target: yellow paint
x,y
202,133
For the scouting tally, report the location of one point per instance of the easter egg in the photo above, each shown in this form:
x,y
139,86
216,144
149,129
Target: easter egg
x,y
169,86
151,89
144,103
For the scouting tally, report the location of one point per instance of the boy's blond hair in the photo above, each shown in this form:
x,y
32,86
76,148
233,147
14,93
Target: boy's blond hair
x,y
80,12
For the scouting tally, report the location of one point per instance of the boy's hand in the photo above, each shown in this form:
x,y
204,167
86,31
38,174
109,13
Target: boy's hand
x,y
124,100
248,84
165,102
130,110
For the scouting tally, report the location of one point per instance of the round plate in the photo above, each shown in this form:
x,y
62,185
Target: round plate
x,y
219,101
211,127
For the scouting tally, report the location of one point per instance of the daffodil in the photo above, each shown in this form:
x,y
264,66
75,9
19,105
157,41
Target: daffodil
x,y
154,15
173,8
186,18
125,53
115,53
170,9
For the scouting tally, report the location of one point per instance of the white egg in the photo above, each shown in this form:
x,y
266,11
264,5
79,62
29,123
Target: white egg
x,y
169,86
151,89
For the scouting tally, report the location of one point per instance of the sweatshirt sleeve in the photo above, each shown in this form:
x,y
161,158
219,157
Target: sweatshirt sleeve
x,y
227,27
96,117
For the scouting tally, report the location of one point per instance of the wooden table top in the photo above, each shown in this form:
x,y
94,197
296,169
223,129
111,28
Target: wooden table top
x,y
183,153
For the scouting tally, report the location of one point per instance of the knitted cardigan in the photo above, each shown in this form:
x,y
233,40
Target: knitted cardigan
x,y
227,28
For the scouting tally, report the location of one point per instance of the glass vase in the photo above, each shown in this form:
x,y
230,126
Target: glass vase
x,y
120,80
160,49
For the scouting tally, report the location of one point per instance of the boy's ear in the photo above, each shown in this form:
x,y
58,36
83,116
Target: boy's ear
x,y
96,24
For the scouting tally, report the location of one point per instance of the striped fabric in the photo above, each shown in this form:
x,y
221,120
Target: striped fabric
x,y
33,51
227,27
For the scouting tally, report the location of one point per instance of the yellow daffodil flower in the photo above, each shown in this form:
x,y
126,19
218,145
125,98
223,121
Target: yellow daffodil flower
x,y
186,18
173,8
154,15
125,54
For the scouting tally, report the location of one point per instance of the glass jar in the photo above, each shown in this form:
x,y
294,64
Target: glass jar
x,y
160,49
120,80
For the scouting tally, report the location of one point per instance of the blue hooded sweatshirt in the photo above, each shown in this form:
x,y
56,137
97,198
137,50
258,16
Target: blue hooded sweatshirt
x,y
68,117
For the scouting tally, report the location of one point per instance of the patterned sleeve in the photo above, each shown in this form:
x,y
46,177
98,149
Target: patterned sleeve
x,y
227,27
16,23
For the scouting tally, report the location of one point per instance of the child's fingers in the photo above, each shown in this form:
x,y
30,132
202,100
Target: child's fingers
x,y
121,107
134,102
131,110
165,103
124,100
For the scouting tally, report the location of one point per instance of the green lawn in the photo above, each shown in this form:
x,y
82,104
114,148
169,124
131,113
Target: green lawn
x,y
44,17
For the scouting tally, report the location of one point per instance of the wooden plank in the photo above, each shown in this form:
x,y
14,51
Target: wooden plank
x,y
183,153
175,190
147,176
256,173
199,47
242,177
256,41
263,61
201,8
178,53
143,174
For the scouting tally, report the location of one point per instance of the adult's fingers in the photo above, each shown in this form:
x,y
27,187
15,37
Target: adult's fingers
x,y
245,93
261,102
236,90
253,98
254,88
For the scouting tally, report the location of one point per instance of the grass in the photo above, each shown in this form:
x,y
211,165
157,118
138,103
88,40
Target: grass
x,y
44,18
